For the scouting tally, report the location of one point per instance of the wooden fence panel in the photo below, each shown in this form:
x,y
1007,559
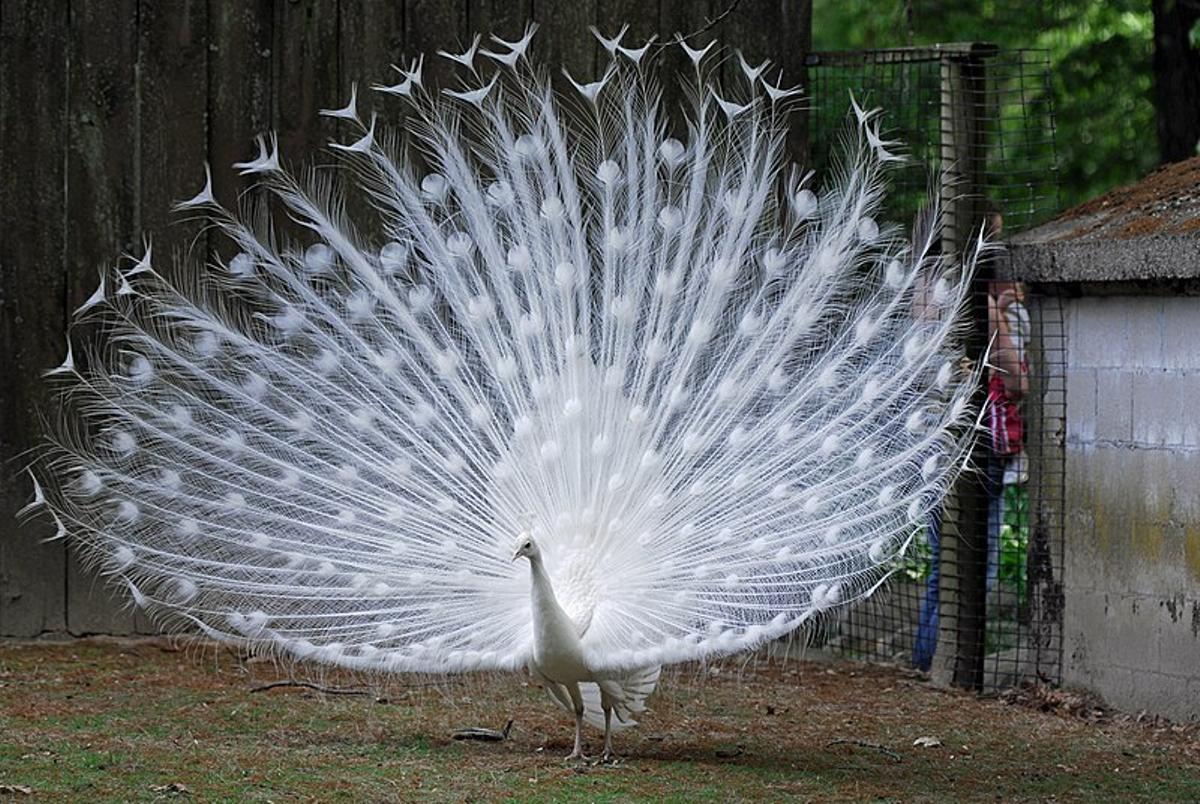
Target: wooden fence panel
x,y
33,205
108,113
103,169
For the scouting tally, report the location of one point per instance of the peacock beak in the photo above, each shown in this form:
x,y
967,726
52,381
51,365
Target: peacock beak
x,y
516,555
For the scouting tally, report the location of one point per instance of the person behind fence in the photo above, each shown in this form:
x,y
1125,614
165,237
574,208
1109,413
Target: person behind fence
x,y
1008,383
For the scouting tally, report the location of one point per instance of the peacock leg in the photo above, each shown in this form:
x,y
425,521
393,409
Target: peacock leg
x,y
606,705
577,703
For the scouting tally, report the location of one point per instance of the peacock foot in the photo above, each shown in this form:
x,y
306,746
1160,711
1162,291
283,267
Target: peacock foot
x,y
578,754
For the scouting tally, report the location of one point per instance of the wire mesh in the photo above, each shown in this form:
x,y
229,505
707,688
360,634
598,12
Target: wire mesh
x,y
978,598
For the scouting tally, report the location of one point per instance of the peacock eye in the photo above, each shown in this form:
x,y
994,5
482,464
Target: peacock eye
x,y
528,545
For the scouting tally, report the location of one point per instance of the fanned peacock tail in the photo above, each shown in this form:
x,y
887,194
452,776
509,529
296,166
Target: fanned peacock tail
x,y
722,401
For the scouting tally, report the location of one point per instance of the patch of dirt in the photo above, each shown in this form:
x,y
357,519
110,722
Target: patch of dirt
x,y
134,721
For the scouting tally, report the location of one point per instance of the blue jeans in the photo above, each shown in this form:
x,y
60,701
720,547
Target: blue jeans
x,y
925,645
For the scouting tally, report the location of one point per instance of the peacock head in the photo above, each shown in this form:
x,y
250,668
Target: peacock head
x,y
526,547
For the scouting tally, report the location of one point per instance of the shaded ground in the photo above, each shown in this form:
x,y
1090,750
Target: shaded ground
x,y
142,721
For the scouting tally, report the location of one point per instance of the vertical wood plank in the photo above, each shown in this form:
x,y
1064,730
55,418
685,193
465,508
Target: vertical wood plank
x,y
101,173
33,125
504,18
680,17
778,30
173,124
372,39
240,90
433,25
566,41
306,76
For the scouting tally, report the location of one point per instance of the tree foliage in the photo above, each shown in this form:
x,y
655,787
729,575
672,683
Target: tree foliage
x,y
1100,61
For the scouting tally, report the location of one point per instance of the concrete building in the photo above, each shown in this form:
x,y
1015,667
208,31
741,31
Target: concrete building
x,y
1126,270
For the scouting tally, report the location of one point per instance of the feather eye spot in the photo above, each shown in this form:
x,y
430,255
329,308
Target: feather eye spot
x,y
804,204
206,344
126,512
140,371
671,151
393,258
929,468
122,558
868,229
865,457
319,259
608,172
565,275
241,267
179,416
459,245
169,479
89,483
434,187
123,443
773,261
528,145
184,591
500,194
553,209
670,219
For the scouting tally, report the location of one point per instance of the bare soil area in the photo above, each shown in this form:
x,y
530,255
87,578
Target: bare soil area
x,y
104,720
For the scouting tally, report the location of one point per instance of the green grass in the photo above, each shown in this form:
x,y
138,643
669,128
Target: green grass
x,y
93,721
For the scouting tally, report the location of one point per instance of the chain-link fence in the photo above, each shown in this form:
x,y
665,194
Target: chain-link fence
x,y
978,601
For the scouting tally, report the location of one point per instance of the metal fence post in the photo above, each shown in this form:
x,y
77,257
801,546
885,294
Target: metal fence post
x,y
964,541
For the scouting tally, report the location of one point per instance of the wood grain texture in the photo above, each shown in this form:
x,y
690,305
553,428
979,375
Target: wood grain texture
x,y
305,77
33,130
109,110
240,87
102,192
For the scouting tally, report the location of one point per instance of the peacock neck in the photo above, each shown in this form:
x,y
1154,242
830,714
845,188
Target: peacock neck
x,y
541,590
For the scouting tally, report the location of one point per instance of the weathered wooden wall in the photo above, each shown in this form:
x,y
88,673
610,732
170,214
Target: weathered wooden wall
x,y
108,111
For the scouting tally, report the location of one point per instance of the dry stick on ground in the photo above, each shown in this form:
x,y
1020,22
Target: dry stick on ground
x,y
308,685
864,744
311,686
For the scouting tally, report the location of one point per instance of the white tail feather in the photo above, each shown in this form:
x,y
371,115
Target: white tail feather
x,y
720,399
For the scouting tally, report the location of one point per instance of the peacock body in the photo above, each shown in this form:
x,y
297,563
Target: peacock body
x,y
705,403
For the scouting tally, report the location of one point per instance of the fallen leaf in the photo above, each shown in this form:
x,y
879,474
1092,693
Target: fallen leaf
x,y
15,789
927,742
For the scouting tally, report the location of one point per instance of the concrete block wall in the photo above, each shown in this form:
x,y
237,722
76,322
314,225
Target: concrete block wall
x,y
1131,577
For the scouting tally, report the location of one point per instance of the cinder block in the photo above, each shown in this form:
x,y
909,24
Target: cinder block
x,y
1114,406
1081,405
1098,325
1189,382
1181,332
1160,407
1144,327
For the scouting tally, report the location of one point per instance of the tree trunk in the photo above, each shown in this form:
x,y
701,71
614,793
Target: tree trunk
x,y
1176,78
